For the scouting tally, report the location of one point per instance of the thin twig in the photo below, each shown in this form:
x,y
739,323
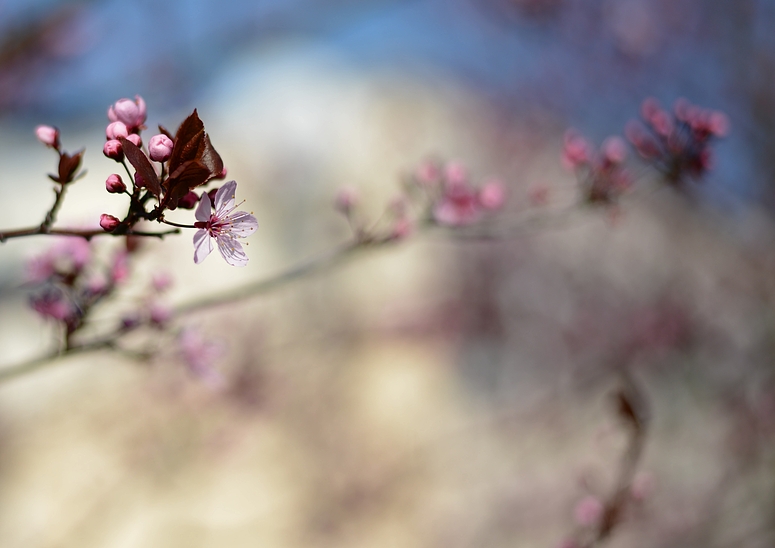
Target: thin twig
x,y
87,234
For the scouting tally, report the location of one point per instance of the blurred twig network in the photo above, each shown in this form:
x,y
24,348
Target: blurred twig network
x,y
400,273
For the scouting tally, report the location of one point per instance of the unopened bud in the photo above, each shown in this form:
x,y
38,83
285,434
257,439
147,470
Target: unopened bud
x,y
135,139
108,222
588,511
492,195
160,148
48,135
188,201
113,150
116,130
211,194
114,184
139,181
130,113
160,314
614,150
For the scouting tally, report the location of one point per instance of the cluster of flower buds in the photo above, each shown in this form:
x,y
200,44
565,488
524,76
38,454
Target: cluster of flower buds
x,y
441,194
72,282
677,143
601,173
127,119
168,170
454,200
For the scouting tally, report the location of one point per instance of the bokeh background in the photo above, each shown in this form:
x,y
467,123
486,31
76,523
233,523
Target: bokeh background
x,y
441,392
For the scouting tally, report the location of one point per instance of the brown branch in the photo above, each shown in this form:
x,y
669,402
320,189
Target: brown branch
x,y
633,409
87,234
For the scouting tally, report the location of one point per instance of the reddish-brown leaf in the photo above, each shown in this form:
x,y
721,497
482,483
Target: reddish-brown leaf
x,y
190,175
187,142
143,166
68,165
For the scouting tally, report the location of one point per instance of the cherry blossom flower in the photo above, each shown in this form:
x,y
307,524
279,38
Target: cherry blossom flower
x,y
458,206
65,258
224,226
52,304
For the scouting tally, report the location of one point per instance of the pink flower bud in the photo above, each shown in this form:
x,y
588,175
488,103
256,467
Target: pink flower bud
x,y
492,195
116,130
188,201
614,150
135,139
119,269
108,222
160,314
160,148
130,113
130,321
401,229
681,108
428,173
161,282
113,150
718,123
649,108
114,184
575,151
48,135
588,511
139,181
456,173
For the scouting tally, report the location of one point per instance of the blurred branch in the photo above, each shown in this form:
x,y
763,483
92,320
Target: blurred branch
x,y
87,234
633,409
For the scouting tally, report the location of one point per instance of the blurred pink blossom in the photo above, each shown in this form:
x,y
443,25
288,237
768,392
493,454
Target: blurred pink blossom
x,y
200,356
52,304
458,205
66,257
492,195
588,511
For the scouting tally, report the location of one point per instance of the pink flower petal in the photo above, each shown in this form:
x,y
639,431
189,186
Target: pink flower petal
x,y
242,224
224,199
202,245
203,210
231,250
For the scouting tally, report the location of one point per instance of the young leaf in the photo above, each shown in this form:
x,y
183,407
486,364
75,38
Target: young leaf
x,y
187,140
143,166
68,165
190,175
